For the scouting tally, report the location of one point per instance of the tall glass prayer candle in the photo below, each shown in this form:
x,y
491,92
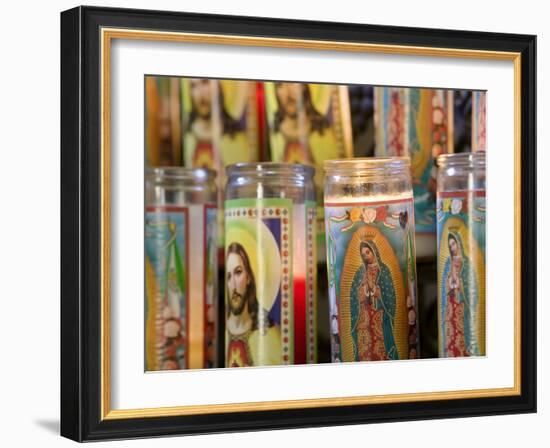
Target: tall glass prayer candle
x,y
270,265
221,126
369,216
461,218
181,273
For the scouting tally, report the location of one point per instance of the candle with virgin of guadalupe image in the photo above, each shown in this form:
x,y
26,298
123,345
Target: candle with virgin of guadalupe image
x,y
369,216
461,220
308,124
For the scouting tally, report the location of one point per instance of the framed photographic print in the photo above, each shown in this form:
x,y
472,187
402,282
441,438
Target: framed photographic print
x,y
274,223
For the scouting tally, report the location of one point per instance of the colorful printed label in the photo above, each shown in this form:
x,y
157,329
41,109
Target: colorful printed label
x,y
372,280
167,287
270,280
415,122
461,218
308,124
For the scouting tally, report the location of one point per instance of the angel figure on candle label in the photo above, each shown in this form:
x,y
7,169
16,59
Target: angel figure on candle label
x,y
373,307
459,302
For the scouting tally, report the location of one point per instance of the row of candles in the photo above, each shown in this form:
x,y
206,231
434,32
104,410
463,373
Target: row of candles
x,y
270,262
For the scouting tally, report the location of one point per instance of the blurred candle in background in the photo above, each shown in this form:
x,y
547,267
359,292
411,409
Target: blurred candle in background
x,y
163,121
479,113
308,124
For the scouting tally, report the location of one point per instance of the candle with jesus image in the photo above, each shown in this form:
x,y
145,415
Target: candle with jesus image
x,y
270,265
369,216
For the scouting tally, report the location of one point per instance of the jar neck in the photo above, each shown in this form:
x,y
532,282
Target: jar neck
x,y
369,168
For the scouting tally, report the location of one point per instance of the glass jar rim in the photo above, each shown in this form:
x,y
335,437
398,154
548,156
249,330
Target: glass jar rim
x,y
367,165
180,173
462,159
269,169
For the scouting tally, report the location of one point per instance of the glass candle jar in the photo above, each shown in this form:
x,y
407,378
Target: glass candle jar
x,y
461,218
270,265
180,269
369,216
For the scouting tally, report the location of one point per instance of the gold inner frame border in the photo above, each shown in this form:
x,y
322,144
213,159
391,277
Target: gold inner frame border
x,y
107,36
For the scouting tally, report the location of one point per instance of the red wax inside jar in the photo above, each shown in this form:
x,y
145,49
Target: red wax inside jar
x,y
300,342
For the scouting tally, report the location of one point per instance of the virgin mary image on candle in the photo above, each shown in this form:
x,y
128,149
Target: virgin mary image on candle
x,y
459,304
372,303
252,276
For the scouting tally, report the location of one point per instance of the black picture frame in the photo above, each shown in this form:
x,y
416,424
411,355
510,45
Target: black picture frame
x,y
82,211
